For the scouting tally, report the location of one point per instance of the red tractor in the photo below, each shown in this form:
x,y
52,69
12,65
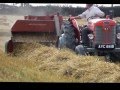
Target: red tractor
x,y
104,39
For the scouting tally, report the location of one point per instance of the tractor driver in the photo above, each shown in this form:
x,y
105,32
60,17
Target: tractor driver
x,y
92,12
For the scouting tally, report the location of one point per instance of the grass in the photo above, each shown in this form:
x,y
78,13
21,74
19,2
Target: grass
x,y
39,63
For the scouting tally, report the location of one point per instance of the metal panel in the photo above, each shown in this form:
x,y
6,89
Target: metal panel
x,y
34,26
34,37
105,37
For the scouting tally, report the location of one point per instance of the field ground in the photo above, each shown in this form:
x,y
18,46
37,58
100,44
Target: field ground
x,y
39,63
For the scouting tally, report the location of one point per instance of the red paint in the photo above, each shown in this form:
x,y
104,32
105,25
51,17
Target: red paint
x,y
38,18
36,24
33,26
101,22
92,23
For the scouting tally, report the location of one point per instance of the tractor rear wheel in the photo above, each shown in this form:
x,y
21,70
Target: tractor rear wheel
x,y
67,38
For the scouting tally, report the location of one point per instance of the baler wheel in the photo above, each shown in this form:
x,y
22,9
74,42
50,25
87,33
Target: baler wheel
x,y
9,46
57,42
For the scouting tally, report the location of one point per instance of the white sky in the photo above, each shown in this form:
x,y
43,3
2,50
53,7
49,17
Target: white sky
x,y
65,4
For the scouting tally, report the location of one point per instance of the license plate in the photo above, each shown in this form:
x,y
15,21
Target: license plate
x,y
106,46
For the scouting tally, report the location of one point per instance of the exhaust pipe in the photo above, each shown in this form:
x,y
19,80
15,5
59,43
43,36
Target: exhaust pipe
x,y
111,13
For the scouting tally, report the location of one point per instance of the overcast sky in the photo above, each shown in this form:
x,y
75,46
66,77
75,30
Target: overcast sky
x,y
61,4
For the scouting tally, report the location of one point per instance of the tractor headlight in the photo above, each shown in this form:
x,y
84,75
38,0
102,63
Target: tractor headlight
x,y
91,36
118,35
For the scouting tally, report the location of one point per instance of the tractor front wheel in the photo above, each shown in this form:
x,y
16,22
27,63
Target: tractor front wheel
x,y
113,57
80,49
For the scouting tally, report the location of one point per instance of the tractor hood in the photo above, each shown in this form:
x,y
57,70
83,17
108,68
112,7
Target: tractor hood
x,y
101,22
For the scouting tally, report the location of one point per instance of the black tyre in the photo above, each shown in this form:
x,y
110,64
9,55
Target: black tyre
x,y
113,57
9,46
80,50
57,42
85,39
67,39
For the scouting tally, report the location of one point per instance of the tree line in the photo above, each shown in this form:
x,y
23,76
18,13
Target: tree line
x,y
49,9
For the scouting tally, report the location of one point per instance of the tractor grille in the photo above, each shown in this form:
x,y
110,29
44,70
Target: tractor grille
x,y
105,36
